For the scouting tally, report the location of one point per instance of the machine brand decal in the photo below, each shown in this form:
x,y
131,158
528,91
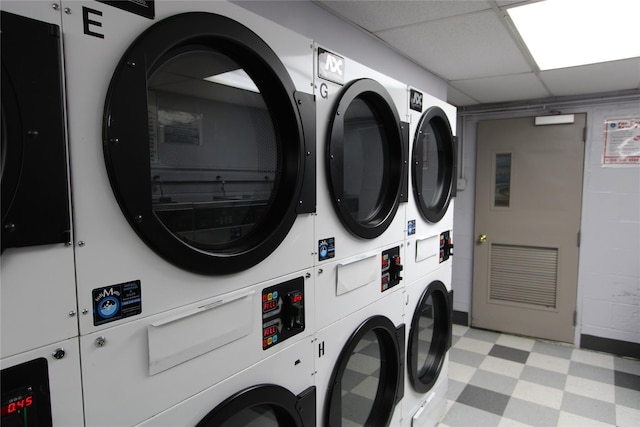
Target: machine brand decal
x,y
330,66
116,302
144,8
415,100
411,227
88,22
326,248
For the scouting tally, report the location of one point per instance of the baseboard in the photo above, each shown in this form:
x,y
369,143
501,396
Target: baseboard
x,y
608,345
460,318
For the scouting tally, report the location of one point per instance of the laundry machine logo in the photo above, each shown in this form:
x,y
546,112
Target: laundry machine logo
x,y
331,66
415,100
326,249
116,302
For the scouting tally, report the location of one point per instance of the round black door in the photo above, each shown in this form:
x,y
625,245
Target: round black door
x,y
264,405
33,158
366,158
204,143
367,381
433,164
429,337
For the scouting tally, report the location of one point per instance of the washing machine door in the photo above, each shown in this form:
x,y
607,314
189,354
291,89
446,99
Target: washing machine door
x,y
433,165
33,164
373,354
205,144
429,337
366,158
264,405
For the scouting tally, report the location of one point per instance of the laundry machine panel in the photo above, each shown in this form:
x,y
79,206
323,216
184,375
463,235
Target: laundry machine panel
x,y
429,311
433,181
277,391
189,143
362,157
360,366
37,267
42,387
150,364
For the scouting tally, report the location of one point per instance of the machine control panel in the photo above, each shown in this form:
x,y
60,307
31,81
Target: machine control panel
x,y
446,246
25,395
282,311
391,268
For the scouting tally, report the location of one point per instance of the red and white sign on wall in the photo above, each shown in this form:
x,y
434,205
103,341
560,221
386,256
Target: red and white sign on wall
x,y
622,141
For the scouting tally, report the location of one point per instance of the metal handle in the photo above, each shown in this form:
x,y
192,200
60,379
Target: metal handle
x,y
482,238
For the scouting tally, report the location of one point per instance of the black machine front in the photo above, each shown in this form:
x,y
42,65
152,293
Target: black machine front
x,y
26,400
35,195
210,149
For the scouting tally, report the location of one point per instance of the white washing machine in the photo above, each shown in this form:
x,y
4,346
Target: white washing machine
x,y
277,391
37,279
362,158
429,213
146,366
429,315
192,150
42,387
360,363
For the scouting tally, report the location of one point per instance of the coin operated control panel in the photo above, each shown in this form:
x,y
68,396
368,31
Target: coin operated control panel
x,y
446,246
391,269
26,400
282,312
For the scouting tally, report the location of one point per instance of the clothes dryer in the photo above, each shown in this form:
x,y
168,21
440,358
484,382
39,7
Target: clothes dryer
x,y
192,139
360,365
37,264
362,158
429,313
433,184
210,348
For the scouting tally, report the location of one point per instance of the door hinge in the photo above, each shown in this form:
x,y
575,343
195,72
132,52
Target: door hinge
x,y
579,238
575,317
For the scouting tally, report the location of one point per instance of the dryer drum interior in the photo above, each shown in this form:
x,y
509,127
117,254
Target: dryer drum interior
x,y
373,355
429,337
433,164
205,145
365,158
34,155
264,405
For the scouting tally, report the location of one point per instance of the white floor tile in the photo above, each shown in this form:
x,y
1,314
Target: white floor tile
x,y
549,363
593,389
627,416
507,422
542,395
592,358
520,343
460,372
476,346
502,366
568,419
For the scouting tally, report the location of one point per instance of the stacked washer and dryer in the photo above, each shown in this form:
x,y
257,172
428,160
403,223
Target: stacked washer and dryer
x,y
242,215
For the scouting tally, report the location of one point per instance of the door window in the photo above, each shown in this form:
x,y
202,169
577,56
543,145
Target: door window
x,y
434,164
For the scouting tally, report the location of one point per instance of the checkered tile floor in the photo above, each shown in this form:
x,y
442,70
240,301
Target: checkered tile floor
x,y
503,380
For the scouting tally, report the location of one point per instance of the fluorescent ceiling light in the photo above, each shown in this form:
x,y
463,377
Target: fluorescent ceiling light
x,y
568,33
236,78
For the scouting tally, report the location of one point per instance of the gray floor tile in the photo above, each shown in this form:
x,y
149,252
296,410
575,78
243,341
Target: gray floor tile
x,y
623,379
465,357
550,349
543,377
591,372
481,334
508,353
531,413
590,408
494,382
462,415
486,400
454,389
630,366
627,397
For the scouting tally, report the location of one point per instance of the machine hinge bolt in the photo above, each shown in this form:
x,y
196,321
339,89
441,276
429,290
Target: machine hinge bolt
x,y
100,341
72,313
67,10
10,228
138,218
59,353
308,275
55,6
320,271
308,153
299,101
81,243
114,141
131,63
85,311
33,133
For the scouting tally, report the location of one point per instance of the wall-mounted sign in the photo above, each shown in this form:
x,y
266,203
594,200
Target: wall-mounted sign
x,y
622,141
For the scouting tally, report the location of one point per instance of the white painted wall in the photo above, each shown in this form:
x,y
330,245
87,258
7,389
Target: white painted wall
x,y
311,20
608,299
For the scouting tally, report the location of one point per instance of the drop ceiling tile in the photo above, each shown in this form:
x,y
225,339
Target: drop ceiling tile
x,y
462,47
508,88
594,78
381,15
459,99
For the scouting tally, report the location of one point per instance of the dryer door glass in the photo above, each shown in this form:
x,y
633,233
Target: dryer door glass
x,y
366,159
213,149
429,337
434,164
